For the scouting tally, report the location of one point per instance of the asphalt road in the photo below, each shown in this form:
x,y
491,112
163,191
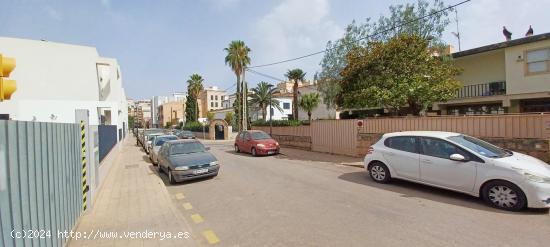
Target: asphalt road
x,y
307,199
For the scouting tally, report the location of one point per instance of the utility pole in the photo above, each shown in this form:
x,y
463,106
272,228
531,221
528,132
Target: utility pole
x,y
244,103
457,34
270,114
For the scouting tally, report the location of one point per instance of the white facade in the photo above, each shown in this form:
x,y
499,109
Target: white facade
x,y
286,106
54,80
321,111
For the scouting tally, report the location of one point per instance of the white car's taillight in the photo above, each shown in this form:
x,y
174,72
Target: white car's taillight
x,y
370,150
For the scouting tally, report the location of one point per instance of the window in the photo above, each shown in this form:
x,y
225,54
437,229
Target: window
x,y
538,61
260,135
286,106
211,97
186,148
403,143
216,97
440,148
480,147
216,104
211,104
241,135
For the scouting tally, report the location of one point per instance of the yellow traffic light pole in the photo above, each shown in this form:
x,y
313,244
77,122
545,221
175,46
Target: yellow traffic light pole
x,y
7,87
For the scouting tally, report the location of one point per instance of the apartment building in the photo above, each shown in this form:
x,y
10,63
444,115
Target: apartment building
x,y
171,113
507,77
210,99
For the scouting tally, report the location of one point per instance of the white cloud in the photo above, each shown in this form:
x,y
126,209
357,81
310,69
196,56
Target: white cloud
x,y
293,28
53,13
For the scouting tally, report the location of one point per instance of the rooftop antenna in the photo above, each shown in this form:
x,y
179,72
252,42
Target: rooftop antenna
x,y
457,33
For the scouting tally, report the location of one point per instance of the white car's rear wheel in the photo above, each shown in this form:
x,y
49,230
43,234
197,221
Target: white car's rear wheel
x,y
379,172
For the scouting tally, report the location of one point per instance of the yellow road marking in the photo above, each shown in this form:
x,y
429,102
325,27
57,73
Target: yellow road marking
x,y
197,218
210,237
187,206
180,196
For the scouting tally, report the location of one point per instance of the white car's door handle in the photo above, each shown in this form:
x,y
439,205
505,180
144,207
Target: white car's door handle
x,y
425,161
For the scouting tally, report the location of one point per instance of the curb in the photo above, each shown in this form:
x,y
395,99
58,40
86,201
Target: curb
x,y
186,226
356,164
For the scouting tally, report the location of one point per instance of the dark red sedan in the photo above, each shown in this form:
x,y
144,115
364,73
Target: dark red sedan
x,y
256,142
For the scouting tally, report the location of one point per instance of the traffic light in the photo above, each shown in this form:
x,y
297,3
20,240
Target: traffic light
x,y
7,87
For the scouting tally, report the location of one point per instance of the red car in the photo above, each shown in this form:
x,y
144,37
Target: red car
x,y
256,142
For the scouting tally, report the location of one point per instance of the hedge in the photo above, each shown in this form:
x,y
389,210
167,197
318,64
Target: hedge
x,y
262,122
195,127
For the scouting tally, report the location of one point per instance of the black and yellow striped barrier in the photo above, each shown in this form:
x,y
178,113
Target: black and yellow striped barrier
x,y
85,187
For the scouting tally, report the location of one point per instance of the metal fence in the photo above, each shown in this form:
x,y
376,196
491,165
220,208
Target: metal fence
x,y
341,136
494,126
40,182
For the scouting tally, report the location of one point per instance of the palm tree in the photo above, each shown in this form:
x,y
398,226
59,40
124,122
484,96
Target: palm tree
x,y
295,75
237,58
194,87
262,94
308,102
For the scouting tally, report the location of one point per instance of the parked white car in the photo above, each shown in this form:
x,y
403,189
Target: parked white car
x,y
504,179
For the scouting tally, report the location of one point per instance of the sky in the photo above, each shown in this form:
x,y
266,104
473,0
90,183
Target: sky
x,y
160,43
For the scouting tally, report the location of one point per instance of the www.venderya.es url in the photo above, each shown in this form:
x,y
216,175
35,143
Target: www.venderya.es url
x,y
96,234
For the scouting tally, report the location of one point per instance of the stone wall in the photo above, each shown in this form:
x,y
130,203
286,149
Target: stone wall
x,y
300,142
364,141
538,148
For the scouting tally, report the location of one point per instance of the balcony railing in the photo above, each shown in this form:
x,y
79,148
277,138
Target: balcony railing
x,y
485,89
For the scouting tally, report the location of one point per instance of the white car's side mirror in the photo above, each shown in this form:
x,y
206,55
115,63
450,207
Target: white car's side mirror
x,y
457,157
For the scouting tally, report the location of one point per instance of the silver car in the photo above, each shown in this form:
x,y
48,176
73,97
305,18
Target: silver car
x,y
157,142
185,160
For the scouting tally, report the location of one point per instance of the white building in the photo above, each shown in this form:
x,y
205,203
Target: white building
x,y
54,80
286,105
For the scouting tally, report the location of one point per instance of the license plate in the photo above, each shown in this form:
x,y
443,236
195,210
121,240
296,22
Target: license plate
x,y
270,152
200,171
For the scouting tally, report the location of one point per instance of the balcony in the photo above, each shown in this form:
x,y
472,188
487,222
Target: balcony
x,y
480,90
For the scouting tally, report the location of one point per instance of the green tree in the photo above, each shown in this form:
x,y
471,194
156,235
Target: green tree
x,y
229,117
296,76
262,93
308,102
191,107
210,116
237,59
397,73
360,34
131,122
194,87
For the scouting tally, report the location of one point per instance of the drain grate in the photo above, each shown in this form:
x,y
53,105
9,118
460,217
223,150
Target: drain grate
x,y
131,166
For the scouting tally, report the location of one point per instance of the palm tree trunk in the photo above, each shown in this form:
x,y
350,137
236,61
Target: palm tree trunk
x,y
309,116
295,100
238,103
245,101
264,112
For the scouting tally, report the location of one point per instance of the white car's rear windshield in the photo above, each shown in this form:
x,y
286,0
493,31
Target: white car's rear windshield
x,y
480,147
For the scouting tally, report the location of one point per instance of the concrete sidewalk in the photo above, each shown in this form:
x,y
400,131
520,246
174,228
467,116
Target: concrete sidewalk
x,y
133,208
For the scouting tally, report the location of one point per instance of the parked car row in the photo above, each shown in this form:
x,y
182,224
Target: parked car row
x,y
178,154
